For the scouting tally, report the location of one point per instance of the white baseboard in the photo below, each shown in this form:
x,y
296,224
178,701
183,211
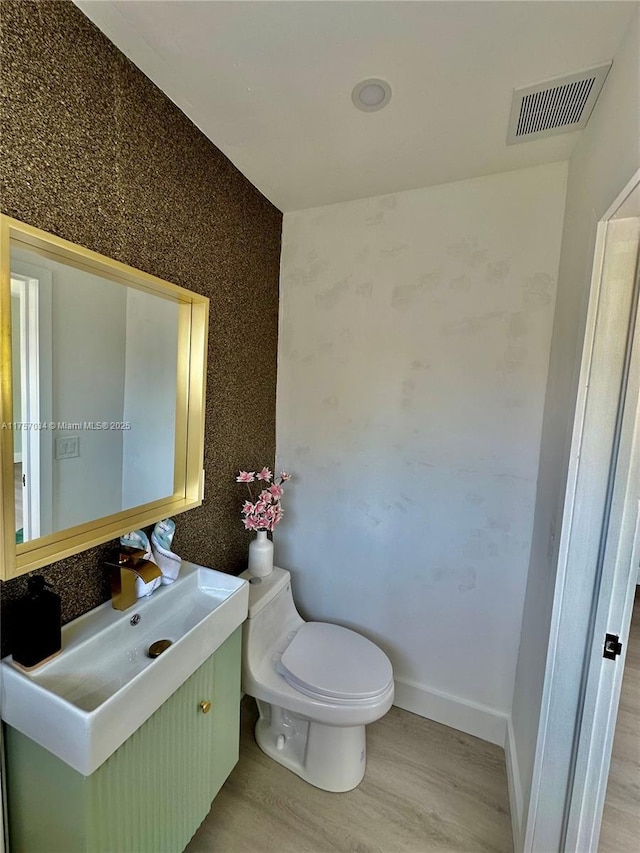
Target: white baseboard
x,y
515,787
478,720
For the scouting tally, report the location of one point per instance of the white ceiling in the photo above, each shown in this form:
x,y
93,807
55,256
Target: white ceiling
x,y
270,83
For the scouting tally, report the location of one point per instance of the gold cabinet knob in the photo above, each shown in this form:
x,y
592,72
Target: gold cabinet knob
x,y
205,706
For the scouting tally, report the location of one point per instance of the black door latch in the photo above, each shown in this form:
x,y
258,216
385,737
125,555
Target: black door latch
x,y
612,646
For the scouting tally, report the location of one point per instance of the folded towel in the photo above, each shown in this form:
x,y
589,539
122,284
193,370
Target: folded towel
x,y
161,538
139,539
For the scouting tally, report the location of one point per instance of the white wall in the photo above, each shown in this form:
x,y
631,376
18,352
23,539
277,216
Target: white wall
x,y
149,398
88,334
414,344
606,157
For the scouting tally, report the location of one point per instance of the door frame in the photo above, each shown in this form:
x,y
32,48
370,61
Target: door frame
x,y
26,289
39,282
573,704
612,608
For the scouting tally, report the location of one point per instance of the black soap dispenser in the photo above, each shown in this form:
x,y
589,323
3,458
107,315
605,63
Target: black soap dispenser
x,y
37,634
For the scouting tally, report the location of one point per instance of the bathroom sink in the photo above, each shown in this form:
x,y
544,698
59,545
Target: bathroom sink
x,y
87,701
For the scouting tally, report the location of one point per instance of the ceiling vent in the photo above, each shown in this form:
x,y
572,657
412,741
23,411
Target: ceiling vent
x,y
555,106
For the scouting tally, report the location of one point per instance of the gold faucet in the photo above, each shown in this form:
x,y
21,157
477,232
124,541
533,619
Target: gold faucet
x,y
128,565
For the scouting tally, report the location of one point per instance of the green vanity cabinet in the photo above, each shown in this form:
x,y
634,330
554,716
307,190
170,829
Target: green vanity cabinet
x,y
152,793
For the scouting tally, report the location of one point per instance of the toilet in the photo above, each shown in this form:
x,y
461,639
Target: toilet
x,y
317,686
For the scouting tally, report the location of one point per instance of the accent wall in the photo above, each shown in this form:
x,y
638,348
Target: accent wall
x,y
95,153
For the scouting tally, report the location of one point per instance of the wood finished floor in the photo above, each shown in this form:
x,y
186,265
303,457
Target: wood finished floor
x,y
427,788
621,819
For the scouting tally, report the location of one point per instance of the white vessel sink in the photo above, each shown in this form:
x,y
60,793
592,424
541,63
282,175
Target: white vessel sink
x,y
87,701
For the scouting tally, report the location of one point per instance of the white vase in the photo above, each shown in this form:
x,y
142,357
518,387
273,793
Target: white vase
x,y
261,555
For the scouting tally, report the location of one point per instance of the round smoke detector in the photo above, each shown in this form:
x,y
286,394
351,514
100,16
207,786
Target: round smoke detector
x,y
372,94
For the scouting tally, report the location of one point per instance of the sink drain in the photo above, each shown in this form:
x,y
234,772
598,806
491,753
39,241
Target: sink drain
x,y
158,647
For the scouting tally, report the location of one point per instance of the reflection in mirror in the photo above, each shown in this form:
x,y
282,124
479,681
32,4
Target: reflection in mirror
x,y
94,393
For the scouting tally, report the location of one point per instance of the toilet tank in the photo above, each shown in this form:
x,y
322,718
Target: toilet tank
x,y
262,591
272,615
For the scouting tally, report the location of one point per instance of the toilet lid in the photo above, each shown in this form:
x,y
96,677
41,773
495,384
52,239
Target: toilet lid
x,y
334,662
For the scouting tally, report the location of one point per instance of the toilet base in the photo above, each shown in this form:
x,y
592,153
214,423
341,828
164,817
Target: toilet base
x,y
332,758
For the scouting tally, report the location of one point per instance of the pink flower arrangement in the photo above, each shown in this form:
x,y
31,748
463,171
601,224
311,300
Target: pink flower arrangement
x,y
264,511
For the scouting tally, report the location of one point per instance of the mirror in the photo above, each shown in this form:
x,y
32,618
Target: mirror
x,y
102,398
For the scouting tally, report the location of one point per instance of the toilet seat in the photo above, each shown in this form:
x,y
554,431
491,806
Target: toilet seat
x,y
332,663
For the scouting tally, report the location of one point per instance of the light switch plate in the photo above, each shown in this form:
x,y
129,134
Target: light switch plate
x,y
68,447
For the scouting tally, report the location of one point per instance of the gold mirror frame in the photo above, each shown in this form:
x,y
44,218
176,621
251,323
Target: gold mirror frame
x,y
193,317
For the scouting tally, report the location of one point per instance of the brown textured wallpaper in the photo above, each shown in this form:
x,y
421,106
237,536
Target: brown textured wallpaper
x,y
92,151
